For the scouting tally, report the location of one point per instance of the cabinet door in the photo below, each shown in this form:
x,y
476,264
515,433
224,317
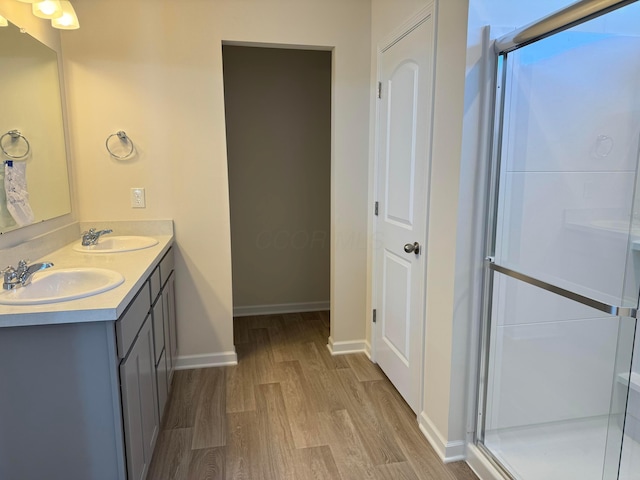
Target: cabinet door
x,y
159,328
172,319
171,340
161,376
140,409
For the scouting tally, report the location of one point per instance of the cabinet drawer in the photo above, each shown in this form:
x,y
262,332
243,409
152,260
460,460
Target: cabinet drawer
x,y
158,329
128,325
166,266
154,282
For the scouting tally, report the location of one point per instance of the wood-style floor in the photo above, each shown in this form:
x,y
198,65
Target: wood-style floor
x,y
291,411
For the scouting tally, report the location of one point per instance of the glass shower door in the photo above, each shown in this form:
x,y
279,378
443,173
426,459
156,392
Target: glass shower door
x,y
563,271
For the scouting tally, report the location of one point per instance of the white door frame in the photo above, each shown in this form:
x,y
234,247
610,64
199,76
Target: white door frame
x,y
402,31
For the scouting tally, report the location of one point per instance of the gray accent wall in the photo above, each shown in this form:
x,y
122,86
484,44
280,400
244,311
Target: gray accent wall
x,y
278,122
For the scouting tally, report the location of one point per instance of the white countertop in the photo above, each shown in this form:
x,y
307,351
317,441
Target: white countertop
x,y
135,266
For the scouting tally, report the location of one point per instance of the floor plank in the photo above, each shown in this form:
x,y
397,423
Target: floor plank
x,y
374,432
402,424
291,411
348,451
240,381
207,464
304,421
396,471
364,369
172,455
274,433
243,459
316,463
181,408
209,429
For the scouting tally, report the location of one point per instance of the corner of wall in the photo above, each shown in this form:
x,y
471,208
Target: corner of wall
x,y
448,451
444,402
345,348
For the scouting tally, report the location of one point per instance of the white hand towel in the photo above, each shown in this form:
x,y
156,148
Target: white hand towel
x,y
15,185
6,220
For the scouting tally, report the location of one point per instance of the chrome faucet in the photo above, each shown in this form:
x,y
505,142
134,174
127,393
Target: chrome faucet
x,y
21,276
91,237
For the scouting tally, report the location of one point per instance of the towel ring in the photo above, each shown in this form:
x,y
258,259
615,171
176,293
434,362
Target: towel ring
x,y
15,136
123,138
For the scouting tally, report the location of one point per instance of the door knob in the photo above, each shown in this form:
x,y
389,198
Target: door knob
x,y
412,248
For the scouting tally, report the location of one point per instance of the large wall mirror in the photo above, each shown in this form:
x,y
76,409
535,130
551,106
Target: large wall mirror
x,y
30,104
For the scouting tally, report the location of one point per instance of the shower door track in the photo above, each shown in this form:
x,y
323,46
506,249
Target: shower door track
x,y
614,310
568,17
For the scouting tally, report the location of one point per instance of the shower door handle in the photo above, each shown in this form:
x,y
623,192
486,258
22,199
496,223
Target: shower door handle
x,y
412,248
615,310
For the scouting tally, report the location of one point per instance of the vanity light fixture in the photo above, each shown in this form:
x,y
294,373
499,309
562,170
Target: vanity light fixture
x,y
68,20
60,12
47,9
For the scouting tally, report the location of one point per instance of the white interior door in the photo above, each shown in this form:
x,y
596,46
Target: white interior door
x,y
404,149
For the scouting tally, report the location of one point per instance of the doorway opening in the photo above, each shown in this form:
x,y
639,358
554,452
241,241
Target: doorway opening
x,y
278,127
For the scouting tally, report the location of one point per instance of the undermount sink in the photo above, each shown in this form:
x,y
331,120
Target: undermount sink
x,y
125,243
52,286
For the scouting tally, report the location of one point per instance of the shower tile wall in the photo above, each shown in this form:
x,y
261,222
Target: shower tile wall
x,y
572,150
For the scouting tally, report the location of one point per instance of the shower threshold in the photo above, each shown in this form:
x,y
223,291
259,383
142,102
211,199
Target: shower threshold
x,y
562,451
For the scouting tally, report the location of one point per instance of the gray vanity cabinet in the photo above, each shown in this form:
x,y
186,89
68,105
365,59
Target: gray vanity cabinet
x,y
82,400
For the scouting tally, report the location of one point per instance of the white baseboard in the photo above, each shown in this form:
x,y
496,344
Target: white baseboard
x,y
481,466
447,451
344,348
186,362
280,308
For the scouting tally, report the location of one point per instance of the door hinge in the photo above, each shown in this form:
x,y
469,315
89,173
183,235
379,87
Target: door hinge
x,y
374,315
375,209
379,89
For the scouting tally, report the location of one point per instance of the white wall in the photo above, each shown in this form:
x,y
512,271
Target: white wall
x,y
154,69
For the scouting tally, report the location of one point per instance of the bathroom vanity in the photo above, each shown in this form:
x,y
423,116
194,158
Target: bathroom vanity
x,y
84,383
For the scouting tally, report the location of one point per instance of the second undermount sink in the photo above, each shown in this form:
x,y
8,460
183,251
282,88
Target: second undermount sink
x,y
115,244
52,286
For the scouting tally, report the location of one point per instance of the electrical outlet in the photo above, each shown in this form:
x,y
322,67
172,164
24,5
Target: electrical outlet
x,y
137,198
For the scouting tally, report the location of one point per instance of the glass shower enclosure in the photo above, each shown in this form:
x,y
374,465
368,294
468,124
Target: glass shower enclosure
x,y
559,390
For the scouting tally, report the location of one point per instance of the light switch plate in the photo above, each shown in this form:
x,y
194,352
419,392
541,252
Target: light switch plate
x,y
137,198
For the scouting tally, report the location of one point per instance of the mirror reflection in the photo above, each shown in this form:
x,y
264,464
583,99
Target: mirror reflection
x,y
34,183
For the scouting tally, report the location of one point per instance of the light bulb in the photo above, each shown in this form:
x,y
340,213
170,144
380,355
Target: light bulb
x,y
47,9
68,20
